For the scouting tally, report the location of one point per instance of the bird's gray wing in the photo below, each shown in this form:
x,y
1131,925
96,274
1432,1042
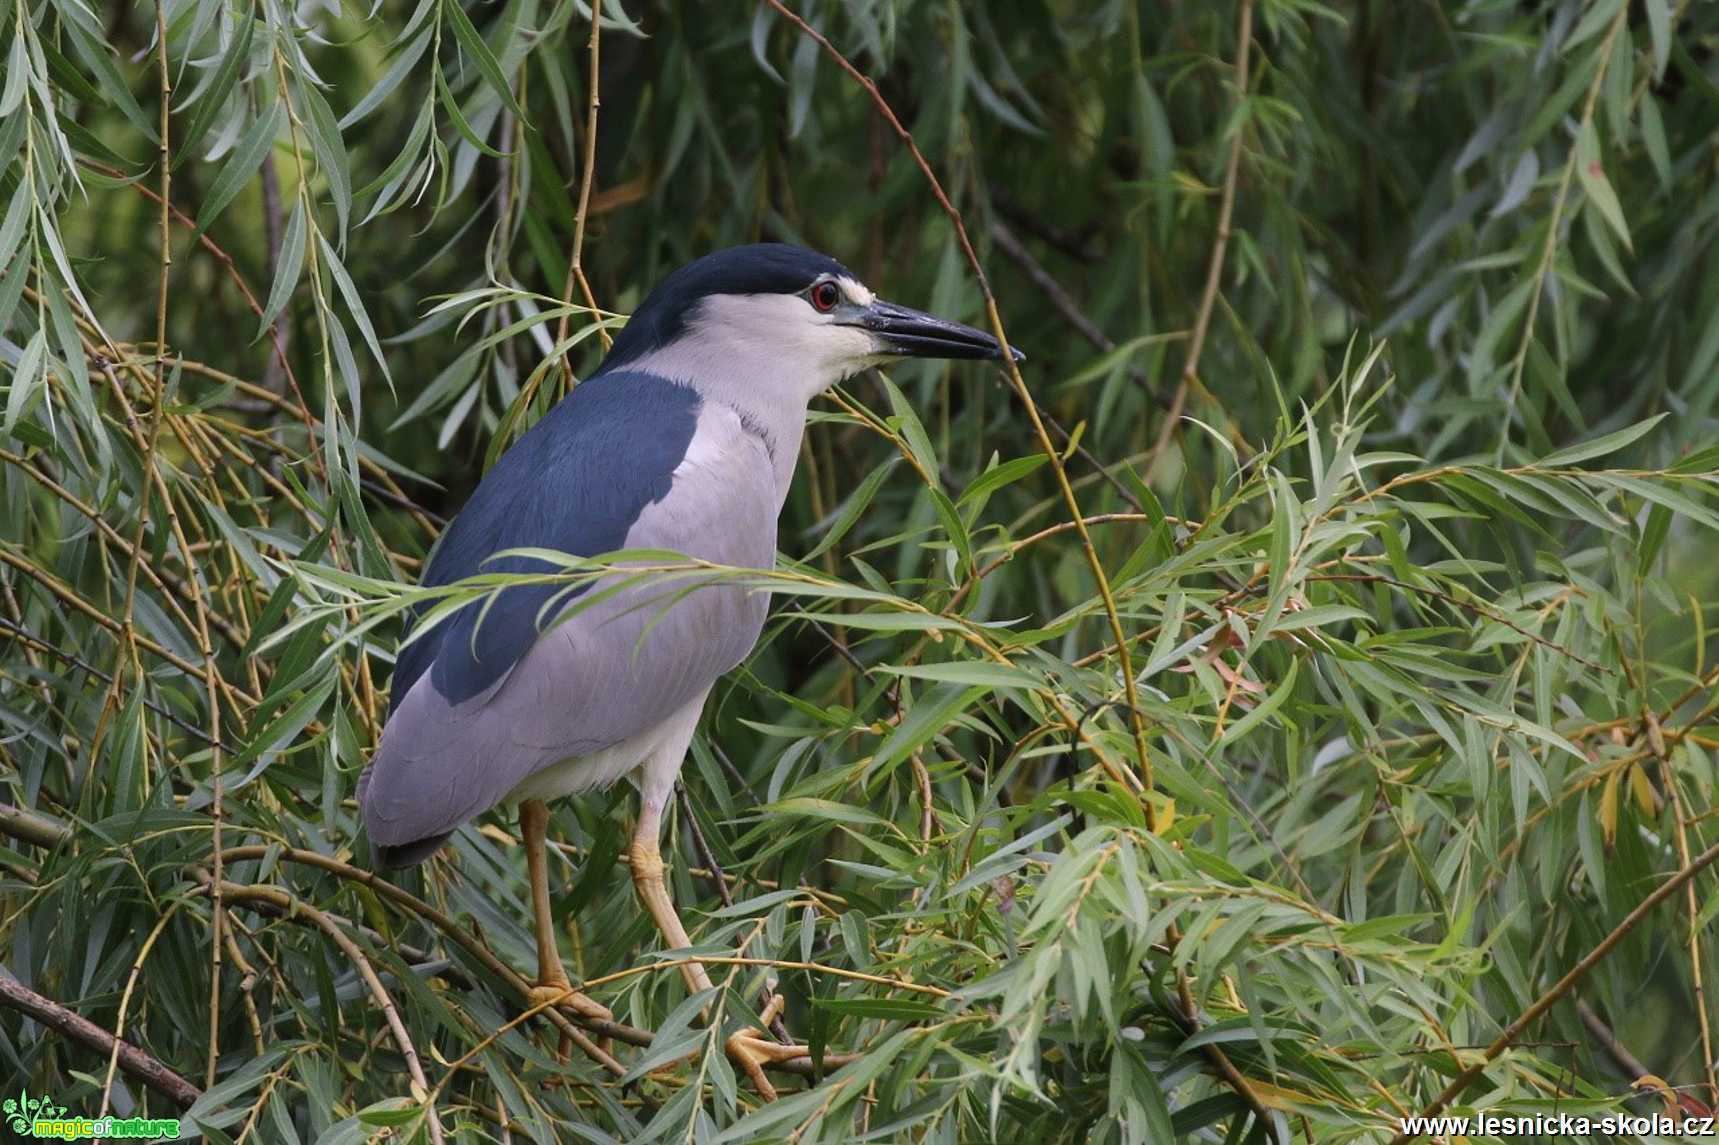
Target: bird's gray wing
x,y
576,482
611,671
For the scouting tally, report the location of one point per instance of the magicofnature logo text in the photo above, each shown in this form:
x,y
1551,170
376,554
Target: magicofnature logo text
x,y
40,1117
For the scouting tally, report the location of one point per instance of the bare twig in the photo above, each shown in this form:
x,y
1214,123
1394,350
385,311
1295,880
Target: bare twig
x,y
1470,606
714,870
70,598
1136,721
1656,743
928,825
474,946
171,586
702,848
134,1061
382,484
165,173
211,680
774,964
125,1002
1066,306
297,406
1065,303
247,983
1619,1053
1074,244
1188,1019
1107,472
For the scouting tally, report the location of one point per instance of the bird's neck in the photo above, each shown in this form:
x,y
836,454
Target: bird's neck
x,y
768,390
779,425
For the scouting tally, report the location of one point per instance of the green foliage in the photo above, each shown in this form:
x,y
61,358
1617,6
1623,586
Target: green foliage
x,y
1415,587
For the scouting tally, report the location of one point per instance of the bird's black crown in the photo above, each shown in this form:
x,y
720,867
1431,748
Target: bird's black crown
x,y
757,268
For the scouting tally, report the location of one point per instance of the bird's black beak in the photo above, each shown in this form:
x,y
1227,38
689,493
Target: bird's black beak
x,y
915,334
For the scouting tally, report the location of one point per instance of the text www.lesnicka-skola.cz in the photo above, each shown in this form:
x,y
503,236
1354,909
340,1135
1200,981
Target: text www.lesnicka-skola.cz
x,y
1559,1124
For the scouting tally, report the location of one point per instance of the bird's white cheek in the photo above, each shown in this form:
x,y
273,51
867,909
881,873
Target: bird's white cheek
x,y
848,350
832,353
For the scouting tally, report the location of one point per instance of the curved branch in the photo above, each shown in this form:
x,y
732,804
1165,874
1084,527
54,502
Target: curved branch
x,y
294,906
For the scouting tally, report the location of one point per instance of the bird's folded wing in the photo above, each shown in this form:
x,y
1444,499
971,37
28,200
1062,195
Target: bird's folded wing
x,y
495,699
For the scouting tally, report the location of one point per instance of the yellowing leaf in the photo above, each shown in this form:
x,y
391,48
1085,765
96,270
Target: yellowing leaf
x,y
1279,1096
1645,796
1609,810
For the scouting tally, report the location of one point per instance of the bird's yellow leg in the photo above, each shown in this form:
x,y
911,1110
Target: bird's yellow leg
x,y
552,984
751,1049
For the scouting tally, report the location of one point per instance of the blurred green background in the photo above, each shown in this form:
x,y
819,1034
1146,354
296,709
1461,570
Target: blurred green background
x,y
1382,365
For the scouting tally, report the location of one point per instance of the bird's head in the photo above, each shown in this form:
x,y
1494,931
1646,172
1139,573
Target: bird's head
x,y
775,313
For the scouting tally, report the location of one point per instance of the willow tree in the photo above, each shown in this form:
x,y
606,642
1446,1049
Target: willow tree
x,y
1284,706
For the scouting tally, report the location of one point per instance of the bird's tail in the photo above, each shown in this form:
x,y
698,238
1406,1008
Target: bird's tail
x,y
391,856
387,858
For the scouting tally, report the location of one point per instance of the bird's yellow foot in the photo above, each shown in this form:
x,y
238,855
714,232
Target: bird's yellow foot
x,y
562,995
752,1049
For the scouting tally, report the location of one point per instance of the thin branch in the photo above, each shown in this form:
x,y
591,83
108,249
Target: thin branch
x,y
773,964
125,1003
1059,298
298,406
1065,303
170,585
274,370
1189,1022
1470,606
32,826
717,876
587,176
1220,244
384,487
928,824
421,1091
1680,818
1549,250
135,1062
32,640
472,945
165,174
152,476
702,848
1619,1053
1143,781
1074,244
1562,987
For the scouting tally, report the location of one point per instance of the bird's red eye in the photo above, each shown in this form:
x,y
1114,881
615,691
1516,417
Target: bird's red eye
x,y
825,296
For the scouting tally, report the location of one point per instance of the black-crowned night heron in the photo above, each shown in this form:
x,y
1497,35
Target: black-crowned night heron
x,y
684,439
